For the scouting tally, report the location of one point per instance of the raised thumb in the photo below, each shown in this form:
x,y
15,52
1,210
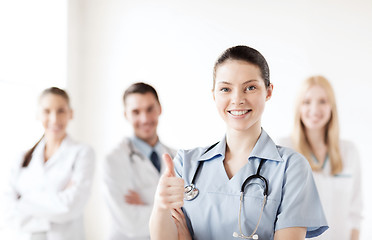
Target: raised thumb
x,y
169,171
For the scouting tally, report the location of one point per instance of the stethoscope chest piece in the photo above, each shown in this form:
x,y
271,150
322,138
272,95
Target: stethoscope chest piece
x,y
191,192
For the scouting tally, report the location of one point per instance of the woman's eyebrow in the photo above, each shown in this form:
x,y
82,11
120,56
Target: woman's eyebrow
x,y
249,81
224,82
246,82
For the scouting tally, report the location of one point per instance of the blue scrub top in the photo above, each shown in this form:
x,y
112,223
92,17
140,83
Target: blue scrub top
x,y
292,200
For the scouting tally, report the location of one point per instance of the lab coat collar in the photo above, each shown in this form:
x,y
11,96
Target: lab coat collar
x,y
265,148
144,148
38,154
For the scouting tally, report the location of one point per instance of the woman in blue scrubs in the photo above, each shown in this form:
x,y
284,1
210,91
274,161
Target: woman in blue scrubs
x,y
279,202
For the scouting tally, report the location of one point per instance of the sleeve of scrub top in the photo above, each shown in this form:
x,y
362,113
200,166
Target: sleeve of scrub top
x,y
131,220
62,206
356,205
300,205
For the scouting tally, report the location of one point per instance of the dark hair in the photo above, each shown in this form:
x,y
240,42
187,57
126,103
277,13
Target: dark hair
x,y
28,156
55,91
247,54
140,88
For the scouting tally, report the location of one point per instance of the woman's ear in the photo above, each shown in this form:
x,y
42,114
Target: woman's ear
x,y
214,98
160,109
269,91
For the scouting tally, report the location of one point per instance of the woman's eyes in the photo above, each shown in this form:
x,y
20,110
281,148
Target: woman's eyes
x,y
59,111
250,88
320,102
247,89
224,89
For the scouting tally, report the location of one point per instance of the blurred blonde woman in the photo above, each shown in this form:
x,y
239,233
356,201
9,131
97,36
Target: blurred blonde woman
x,y
50,183
335,163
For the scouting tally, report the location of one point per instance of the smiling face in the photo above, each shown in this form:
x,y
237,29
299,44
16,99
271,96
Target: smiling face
x,y
143,111
315,109
54,114
240,94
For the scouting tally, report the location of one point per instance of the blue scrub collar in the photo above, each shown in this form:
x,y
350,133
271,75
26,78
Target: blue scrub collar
x,y
265,148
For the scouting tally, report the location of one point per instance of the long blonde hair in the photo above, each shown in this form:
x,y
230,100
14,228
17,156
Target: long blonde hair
x,y
299,137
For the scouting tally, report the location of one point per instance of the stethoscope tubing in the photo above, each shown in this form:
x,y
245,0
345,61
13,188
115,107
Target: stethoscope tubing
x,y
191,186
191,192
133,152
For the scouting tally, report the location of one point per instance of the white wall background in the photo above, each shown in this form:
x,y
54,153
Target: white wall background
x,y
33,54
173,45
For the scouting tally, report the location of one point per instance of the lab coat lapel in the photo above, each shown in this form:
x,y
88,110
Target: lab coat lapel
x,y
144,164
58,154
37,161
32,177
152,169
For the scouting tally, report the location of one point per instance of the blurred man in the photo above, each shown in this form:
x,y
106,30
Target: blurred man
x,y
132,170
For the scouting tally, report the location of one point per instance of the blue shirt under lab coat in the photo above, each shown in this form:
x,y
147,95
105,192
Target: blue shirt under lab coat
x,y
292,200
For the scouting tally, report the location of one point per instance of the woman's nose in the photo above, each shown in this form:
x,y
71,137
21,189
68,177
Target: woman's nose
x,y
53,117
238,98
314,107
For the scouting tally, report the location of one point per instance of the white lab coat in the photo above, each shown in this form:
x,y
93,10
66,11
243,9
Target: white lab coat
x,y
53,194
120,173
341,195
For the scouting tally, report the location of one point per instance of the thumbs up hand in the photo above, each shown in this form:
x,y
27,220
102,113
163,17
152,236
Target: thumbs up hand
x,y
169,193
169,171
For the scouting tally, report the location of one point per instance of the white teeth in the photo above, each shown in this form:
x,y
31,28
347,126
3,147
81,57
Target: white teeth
x,y
238,113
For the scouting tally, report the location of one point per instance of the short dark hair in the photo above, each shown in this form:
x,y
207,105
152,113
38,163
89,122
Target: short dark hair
x,y
140,88
247,54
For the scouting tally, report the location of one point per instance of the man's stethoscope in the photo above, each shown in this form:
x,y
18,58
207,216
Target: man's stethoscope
x,y
191,192
133,152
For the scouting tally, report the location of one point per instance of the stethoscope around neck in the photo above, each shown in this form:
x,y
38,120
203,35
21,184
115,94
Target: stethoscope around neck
x,y
133,152
191,192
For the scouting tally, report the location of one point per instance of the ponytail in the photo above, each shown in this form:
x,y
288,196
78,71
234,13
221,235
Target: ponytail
x,y
28,155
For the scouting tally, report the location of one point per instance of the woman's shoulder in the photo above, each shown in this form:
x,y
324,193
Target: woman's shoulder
x,y
187,160
293,159
349,153
348,149
347,145
194,155
286,150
